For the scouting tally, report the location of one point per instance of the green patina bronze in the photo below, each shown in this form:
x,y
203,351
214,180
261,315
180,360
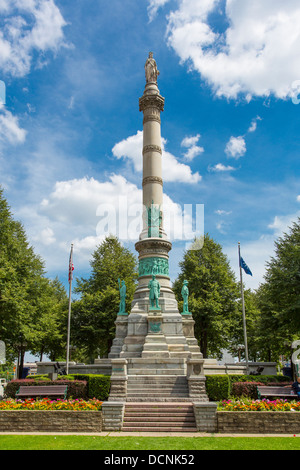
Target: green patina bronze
x,y
122,290
154,293
154,265
154,220
185,296
155,327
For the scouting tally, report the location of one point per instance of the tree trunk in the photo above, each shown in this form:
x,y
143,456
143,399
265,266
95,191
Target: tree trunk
x,y
41,353
203,345
21,362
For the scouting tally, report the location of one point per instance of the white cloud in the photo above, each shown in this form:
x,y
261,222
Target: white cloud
x,y
76,201
222,224
84,211
40,29
219,167
190,141
257,53
193,149
154,6
173,171
222,212
255,253
281,224
71,212
131,148
253,125
298,198
236,147
46,237
220,227
10,129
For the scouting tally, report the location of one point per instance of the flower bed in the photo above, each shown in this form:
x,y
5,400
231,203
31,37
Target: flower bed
x,y
47,404
258,405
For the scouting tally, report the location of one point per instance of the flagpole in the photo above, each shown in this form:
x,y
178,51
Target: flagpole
x,y
243,307
69,314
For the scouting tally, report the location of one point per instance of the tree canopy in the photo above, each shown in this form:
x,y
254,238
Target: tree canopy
x,y
213,295
93,316
278,297
28,300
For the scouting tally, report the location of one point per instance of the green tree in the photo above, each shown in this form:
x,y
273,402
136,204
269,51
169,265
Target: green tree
x,y
278,296
213,295
21,272
49,330
93,316
29,302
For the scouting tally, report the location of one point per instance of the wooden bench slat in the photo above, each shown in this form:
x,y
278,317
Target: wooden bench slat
x,y
275,391
44,390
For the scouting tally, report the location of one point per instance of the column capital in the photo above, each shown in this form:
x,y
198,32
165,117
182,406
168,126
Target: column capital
x,y
151,101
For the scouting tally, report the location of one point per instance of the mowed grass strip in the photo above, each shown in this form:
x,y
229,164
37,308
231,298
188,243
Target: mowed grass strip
x,y
72,442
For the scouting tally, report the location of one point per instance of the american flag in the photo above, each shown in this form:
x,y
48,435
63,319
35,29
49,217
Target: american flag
x,y
71,265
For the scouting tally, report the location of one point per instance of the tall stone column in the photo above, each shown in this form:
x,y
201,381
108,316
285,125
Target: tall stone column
x,y
155,328
152,104
153,246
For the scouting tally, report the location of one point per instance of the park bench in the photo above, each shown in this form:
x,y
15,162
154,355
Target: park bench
x,y
265,391
34,391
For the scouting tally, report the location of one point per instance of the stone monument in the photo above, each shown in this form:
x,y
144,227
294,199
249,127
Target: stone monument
x,y
155,339
154,356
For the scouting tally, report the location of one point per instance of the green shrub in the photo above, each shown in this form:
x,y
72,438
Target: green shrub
x,y
217,387
37,377
98,386
46,377
221,387
264,379
76,388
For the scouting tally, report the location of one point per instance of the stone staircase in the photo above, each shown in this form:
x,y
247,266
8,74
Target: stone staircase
x,y
159,417
157,388
156,366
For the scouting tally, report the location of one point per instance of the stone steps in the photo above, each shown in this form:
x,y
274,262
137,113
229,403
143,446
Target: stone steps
x,y
157,388
154,371
159,417
156,366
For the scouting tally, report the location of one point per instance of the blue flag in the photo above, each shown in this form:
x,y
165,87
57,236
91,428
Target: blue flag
x,y
245,267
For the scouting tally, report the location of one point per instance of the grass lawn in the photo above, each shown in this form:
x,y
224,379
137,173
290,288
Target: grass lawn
x,y
29,442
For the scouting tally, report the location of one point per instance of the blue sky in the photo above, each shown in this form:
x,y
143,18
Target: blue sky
x,y
70,131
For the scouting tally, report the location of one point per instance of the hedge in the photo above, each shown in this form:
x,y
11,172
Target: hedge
x,y
221,387
89,386
98,386
217,387
76,388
